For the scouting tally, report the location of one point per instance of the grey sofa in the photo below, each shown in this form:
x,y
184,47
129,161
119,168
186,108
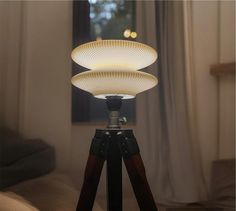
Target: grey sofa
x,y
22,159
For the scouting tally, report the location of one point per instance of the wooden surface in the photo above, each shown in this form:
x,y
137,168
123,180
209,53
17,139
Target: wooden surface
x,y
223,69
91,179
137,175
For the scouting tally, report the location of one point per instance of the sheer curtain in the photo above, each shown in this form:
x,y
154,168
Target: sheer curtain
x,y
165,120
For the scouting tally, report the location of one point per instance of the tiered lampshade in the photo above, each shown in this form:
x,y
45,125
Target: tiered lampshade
x,y
114,66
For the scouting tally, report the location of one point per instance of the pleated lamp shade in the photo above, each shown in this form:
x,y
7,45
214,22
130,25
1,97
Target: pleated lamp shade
x,y
114,66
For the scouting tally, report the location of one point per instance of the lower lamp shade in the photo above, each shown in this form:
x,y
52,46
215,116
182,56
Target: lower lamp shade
x,y
114,83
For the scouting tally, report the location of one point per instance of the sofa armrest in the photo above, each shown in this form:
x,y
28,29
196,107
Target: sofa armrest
x,y
34,165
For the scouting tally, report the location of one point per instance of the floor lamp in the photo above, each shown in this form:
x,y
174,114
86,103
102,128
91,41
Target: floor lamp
x,y
113,75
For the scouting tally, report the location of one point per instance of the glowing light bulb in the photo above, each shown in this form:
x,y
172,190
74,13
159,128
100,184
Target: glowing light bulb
x,y
133,35
127,33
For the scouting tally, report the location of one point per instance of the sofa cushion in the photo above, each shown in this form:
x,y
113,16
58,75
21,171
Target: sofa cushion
x,y
11,202
34,165
53,192
22,159
14,147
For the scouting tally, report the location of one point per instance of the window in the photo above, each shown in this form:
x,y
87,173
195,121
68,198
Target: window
x,y
111,19
94,20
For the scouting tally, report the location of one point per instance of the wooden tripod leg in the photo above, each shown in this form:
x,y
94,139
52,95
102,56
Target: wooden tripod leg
x,y
91,179
114,177
137,175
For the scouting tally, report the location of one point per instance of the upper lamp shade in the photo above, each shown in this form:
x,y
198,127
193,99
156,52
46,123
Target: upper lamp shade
x,y
113,68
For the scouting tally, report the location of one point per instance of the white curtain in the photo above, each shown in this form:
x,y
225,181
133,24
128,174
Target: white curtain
x,y
165,120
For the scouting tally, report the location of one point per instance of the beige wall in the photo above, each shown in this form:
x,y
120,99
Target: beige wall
x,y
227,83
37,71
2,59
47,70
